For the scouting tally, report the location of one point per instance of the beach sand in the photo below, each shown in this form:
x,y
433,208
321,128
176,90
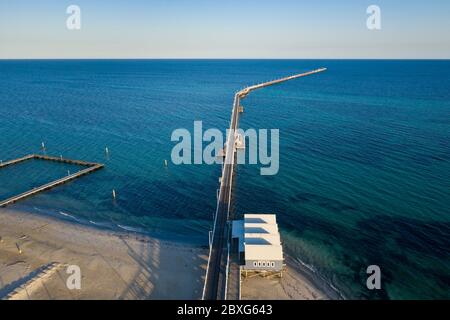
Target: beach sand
x,y
293,285
113,265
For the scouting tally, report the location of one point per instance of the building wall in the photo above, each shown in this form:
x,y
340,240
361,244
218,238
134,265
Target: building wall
x,y
270,265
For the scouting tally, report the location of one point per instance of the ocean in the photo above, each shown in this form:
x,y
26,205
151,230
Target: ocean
x,y
364,173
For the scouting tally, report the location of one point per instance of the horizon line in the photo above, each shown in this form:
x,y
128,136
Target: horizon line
x,y
199,58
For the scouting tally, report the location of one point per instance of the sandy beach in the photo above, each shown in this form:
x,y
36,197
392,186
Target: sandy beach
x,y
35,252
293,285
114,265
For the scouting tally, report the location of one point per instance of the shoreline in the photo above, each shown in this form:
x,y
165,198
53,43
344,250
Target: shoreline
x,y
113,264
118,264
296,283
67,217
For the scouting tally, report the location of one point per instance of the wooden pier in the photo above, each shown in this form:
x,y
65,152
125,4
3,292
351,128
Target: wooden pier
x,y
217,269
91,167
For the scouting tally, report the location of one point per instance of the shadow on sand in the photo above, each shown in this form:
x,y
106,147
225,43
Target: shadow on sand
x,y
160,276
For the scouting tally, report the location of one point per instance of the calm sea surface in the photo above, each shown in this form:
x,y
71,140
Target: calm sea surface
x,y
364,156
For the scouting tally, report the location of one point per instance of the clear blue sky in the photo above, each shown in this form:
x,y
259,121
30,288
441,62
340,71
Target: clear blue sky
x,y
224,29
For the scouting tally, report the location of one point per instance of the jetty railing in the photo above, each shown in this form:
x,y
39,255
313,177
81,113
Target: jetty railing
x,y
91,167
216,277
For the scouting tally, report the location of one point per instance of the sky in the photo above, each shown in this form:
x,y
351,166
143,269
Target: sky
x,y
273,29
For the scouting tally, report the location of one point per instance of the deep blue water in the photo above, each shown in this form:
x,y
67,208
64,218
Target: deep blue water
x,y
364,156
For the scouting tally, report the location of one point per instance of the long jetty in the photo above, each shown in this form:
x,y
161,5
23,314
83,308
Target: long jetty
x,y
216,278
91,167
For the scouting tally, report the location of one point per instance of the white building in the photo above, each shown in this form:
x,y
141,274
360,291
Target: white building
x,y
258,241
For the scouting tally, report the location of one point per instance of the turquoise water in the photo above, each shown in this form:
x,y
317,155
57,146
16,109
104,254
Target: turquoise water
x,y
364,156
